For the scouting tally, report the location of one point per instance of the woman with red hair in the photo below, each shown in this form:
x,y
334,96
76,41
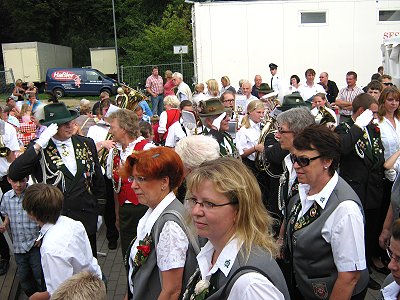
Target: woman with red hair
x,y
163,256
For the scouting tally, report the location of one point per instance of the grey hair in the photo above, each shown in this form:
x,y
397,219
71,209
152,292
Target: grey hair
x,y
296,119
196,149
177,75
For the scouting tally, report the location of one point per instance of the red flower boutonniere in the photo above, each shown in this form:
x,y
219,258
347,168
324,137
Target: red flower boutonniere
x,y
143,251
377,129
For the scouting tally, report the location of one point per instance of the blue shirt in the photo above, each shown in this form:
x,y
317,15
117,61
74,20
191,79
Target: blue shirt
x,y
146,108
24,231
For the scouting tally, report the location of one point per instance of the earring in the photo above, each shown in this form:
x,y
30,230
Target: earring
x,y
325,167
163,188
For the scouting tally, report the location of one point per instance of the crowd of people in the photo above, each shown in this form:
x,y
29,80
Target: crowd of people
x,y
269,191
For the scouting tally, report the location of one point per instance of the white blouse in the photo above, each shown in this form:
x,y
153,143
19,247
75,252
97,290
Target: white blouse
x,y
172,244
249,286
247,138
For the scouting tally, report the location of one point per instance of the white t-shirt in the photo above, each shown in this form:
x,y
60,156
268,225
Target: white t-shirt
x,y
307,92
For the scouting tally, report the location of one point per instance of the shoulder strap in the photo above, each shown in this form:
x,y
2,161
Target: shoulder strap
x,y
186,229
239,272
191,237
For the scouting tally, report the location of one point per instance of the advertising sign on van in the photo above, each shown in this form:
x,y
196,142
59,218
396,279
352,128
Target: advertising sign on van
x,y
65,75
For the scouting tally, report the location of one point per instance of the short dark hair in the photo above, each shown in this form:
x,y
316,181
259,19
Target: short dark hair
x,y
322,139
311,71
222,97
296,77
154,67
374,85
185,103
375,76
352,73
44,202
363,100
380,68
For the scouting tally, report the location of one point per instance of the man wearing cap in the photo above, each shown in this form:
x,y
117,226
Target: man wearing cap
x,y
275,81
268,96
69,162
215,119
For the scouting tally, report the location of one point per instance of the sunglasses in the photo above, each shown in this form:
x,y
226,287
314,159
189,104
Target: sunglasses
x,y
388,83
302,161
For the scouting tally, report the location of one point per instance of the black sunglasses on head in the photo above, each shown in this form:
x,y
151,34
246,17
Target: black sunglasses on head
x,y
388,83
302,161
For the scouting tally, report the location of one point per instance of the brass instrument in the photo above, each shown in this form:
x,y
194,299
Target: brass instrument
x,y
270,126
133,99
4,151
324,117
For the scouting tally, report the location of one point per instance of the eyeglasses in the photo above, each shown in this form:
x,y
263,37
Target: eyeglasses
x,y
392,256
281,131
302,161
206,205
387,83
138,179
228,100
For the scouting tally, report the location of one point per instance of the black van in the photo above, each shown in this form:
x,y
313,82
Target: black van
x,y
78,81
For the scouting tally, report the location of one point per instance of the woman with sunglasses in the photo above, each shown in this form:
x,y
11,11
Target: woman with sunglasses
x,y
237,262
324,225
163,255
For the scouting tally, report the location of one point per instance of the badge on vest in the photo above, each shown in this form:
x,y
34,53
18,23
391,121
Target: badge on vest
x,y
320,290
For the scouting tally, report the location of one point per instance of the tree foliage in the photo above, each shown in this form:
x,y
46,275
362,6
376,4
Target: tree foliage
x,y
146,29
155,43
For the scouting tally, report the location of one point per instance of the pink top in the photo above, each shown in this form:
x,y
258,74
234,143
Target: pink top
x,y
169,88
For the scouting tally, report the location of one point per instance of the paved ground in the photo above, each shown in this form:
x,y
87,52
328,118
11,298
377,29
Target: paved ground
x,y
114,270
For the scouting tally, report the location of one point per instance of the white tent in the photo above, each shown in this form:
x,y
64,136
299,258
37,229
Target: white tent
x,y
390,58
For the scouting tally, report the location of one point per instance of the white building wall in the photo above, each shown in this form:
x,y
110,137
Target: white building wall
x,y
240,39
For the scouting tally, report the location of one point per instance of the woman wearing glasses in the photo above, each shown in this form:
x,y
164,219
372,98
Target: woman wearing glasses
x,y
324,225
163,255
237,262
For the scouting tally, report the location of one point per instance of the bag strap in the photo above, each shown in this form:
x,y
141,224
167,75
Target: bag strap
x,y
247,269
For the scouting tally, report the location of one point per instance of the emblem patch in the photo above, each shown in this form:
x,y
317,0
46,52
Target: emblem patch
x,y
320,290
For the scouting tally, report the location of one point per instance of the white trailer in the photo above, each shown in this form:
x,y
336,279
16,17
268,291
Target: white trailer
x,y
240,38
104,60
30,61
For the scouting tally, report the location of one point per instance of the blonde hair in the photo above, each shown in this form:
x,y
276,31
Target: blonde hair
x,y
212,86
252,106
81,286
172,101
253,222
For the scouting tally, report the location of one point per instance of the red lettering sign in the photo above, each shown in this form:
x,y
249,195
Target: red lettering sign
x,y
390,34
63,75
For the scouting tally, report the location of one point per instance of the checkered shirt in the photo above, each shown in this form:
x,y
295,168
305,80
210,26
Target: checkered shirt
x,y
24,231
26,132
155,84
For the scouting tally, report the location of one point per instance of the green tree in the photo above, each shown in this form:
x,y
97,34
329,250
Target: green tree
x,y
154,45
